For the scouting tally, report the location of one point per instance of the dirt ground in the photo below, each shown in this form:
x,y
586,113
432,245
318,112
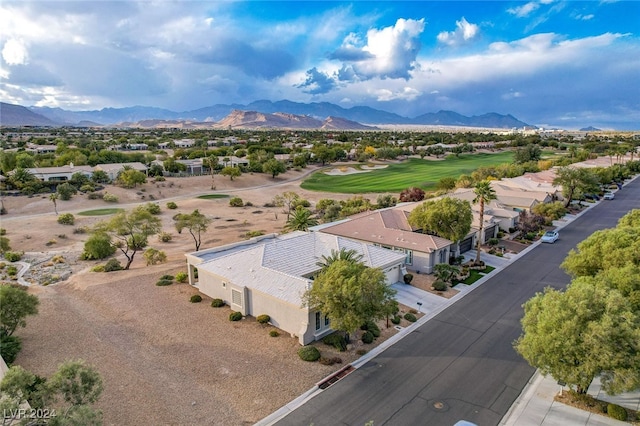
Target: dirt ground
x,y
163,359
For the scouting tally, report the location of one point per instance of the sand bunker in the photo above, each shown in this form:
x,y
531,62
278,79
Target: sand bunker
x,y
344,170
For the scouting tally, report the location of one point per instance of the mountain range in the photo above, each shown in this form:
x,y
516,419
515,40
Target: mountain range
x,y
275,114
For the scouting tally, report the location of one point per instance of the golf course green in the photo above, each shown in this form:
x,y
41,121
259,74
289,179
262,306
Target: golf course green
x,y
396,177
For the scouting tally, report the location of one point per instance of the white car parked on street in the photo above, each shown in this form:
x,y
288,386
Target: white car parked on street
x,y
608,196
550,237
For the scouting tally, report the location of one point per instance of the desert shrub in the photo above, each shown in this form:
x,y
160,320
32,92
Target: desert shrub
x,y
182,277
330,360
309,353
110,198
87,187
251,234
336,340
361,352
159,179
407,278
81,230
217,303
11,270
235,316
439,286
274,333
171,205
95,195
2,265
65,191
165,237
3,231
395,319
196,298
98,246
13,256
367,337
9,347
66,219
153,256
493,241
617,412
162,283
167,277
248,204
153,208
263,319
410,317
112,265
98,268
236,202
50,242
372,327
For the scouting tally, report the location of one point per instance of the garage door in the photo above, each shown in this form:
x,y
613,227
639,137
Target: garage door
x,y
465,245
489,233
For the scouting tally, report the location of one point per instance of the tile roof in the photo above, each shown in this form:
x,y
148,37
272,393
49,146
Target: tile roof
x,y
278,265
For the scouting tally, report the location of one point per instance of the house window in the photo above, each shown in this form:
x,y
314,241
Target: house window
x,y
236,297
409,259
326,321
443,256
318,315
224,285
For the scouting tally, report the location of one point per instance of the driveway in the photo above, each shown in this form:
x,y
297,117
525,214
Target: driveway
x,y
417,299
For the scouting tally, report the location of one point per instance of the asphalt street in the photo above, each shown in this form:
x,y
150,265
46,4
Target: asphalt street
x,y
461,364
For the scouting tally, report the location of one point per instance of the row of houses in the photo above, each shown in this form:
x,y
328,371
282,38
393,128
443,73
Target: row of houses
x,y
269,274
64,173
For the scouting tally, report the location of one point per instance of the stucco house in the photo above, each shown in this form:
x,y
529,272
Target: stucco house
x,y
59,174
390,228
269,275
112,169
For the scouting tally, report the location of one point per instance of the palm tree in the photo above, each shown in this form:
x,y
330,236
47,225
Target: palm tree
x,y
300,220
484,193
349,255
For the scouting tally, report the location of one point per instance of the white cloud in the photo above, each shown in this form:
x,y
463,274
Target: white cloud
x,y
15,52
524,10
406,94
463,33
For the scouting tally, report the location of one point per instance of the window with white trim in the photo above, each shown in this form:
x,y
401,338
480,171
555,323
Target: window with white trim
x,y
326,320
318,324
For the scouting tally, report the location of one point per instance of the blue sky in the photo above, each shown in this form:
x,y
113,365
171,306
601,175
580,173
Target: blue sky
x,y
564,64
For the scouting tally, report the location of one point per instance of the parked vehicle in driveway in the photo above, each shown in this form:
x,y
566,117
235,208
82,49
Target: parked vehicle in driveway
x,y
550,237
608,196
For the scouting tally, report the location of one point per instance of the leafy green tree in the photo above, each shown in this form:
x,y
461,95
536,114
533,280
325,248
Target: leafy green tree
x,y
583,332
130,178
15,305
483,194
274,167
65,191
527,153
130,230
98,246
100,176
25,160
448,218
232,172
575,182
323,154
301,220
446,184
351,294
550,211
196,223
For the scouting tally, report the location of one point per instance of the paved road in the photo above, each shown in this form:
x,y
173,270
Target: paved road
x,y
460,364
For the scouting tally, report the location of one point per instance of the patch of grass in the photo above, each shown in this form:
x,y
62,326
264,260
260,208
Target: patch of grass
x,y
396,177
212,196
488,269
473,277
100,212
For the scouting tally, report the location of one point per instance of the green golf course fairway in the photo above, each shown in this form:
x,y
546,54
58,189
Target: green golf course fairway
x,y
396,177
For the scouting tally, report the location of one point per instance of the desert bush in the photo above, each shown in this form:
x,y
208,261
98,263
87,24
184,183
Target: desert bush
x,y
66,219
162,282
167,277
251,234
3,231
410,317
407,278
65,191
80,230
110,198
182,277
153,256
13,256
309,353
330,360
165,237
263,319
439,286
367,337
361,352
171,205
336,340
217,303
236,202
98,268
159,179
617,412
372,327
9,347
98,246
153,208
95,195
11,270
196,298
235,316
274,333
2,265
395,319
112,265
493,241
248,204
